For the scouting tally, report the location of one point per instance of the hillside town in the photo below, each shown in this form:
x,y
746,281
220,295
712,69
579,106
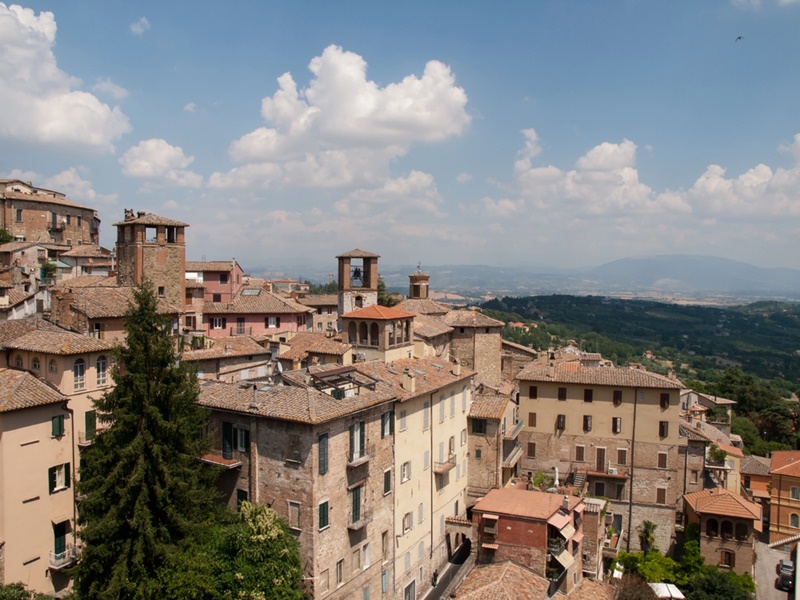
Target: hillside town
x,y
412,451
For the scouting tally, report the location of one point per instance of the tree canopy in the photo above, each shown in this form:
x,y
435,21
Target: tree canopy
x,y
143,488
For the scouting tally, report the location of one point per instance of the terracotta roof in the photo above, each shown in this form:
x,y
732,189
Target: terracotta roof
x,y
376,312
731,450
320,300
719,401
358,254
530,504
12,329
16,297
519,347
423,306
305,343
502,581
86,251
470,318
194,284
216,266
42,198
429,327
719,501
693,434
706,430
288,402
594,505
5,285
785,462
239,345
754,465
488,406
58,342
589,589
20,389
16,246
263,303
87,281
152,219
105,302
574,373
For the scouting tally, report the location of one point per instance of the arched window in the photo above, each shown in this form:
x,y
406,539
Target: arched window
x,y
727,530
794,520
712,527
53,367
362,334
351,332
78,374
374,334
35,365
18,361
741,532
102,368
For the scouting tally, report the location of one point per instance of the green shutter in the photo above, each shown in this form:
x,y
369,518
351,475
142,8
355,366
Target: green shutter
x,y
51,477
352,442
66,475
57,425
227,440
91,424
60,537
323,453
363,438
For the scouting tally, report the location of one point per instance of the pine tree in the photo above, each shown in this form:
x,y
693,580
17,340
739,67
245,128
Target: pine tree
x,y
144,489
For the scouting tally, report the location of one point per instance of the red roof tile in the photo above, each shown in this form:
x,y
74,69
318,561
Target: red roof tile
x,y
376,312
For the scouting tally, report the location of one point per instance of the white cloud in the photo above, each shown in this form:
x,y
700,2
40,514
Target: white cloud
x,y
140,27
109,88
343,129
793,148
160,163
463,177
189,107
39,101
403,198
69,182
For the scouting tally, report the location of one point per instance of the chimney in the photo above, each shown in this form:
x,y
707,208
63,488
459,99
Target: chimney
x,y
565,503
551,371
409,381
457,368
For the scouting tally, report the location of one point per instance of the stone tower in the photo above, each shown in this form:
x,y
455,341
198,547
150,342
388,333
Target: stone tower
x,y
418,285
358,280
152,247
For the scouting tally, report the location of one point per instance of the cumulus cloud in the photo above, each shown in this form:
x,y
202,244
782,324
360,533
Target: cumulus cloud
x,y
160,163
411,197
105,86
39,101
344,129
69,182
141,26
463,177
189,107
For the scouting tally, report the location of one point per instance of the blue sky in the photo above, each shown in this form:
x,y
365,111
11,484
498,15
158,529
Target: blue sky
x,y
543,133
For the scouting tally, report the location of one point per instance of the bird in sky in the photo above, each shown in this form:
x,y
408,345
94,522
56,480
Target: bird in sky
x,y
741,37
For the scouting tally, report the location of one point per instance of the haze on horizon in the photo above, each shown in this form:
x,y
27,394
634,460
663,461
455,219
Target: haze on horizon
x,y
562,134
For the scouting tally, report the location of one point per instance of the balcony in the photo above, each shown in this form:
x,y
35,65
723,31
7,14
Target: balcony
x,y
555,546
440,468
241,330
227,460
62,560
58,226
359,521
513,456
356,459
514,432
86,438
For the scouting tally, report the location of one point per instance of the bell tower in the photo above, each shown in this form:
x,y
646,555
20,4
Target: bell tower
x,y
358,280
418,284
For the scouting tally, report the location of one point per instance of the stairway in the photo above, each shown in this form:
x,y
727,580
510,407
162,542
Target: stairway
x,y
578,480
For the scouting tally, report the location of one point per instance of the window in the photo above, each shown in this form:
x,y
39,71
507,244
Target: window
x,y
79,374
53,366
323,515
533,392
426,415
451,445
479,426
561,422
58,478
410,591
795,493
219,322
663,429
664,401
355,504
273,322
452,403
102,369
562,393
463,436
79,224
339,572
35,364
599,488
408,522
405,471
441,408
426,461
662,460
387,424
746,481
794,521
385,546
620,491
464,399
661,495
223,278
588,395
19,215
580,453
402,420
387,481
617,397
366,559
69,219
478,454
241,439
695,474
57,424
294,515
322,446
241,496
324,581
216,297
587,422
357,559
357,440
161,291
531,419
531,450
420,513
18,361
385,581
622,456
616,425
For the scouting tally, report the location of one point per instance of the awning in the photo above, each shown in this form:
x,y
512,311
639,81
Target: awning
x,y
567,531
559,520
577,538
491,517
667,590
565,558
489,546
60,265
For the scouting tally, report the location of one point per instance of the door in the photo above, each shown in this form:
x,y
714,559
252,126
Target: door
x,y
601,460
60,537
91,424
240,325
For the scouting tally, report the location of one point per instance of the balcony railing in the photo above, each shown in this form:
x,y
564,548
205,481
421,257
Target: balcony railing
x,y
86,438
555,546
514,431
440,468
241,330
62,560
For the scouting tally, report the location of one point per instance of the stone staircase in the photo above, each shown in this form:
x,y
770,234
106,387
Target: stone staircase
x,y
578,480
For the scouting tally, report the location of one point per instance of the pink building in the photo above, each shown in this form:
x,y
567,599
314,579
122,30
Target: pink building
x,y
220,279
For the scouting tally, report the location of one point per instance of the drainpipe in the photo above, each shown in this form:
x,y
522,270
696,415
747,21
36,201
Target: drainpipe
x,y
74,470
633,462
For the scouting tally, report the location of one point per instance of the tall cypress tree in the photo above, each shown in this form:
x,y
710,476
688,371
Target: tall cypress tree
x,y
144,489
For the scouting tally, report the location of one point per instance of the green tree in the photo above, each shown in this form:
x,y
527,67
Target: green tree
x,y
713,584
145,489
647,536
5,237
385,298
18,591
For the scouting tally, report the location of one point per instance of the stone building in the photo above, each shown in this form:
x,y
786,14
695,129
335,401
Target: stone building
x,y
476,342
231,359
307,348
378,332
614,430
728,526
358,280
32,214
537,530
325,318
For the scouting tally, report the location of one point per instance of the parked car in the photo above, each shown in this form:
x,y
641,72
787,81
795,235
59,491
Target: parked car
x,y
785,574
